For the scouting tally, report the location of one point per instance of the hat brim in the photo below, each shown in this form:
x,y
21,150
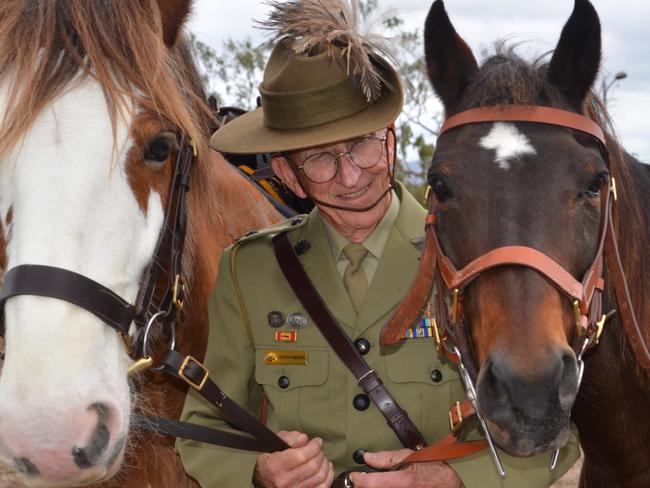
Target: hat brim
x,y
247,134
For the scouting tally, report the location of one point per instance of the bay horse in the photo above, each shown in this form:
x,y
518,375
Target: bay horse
x,y
500,183
96,99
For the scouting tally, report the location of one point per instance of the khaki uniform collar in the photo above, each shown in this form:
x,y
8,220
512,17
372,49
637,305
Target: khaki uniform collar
x,y
375,242
393,276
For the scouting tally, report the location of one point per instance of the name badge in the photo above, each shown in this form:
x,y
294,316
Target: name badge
x,y
276,358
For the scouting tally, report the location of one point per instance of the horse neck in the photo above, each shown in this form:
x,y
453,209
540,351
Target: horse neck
x,y
611,411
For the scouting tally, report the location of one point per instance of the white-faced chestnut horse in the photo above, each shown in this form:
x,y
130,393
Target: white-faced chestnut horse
x,y
97,101
526,250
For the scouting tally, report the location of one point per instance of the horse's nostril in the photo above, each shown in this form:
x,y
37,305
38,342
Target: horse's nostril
x,y
25,466
569,381
88,456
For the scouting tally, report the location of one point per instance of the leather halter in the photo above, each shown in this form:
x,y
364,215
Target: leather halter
x,y
113,310
585,295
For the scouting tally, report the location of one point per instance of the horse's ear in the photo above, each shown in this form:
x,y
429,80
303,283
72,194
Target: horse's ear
x,y
173,13
576,59
450,62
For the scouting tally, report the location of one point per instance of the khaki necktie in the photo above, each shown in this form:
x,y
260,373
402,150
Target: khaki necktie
x,y
354,277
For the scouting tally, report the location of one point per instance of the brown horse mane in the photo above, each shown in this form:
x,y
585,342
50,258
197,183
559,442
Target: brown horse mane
x,y
507,79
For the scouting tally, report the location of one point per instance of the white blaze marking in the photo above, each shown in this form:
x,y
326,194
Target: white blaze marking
x,y
508,143
73,208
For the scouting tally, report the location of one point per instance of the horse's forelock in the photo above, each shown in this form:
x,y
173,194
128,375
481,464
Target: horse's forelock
x,y
47,44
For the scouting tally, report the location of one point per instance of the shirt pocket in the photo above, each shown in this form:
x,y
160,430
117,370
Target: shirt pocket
x,y
424,386
297,393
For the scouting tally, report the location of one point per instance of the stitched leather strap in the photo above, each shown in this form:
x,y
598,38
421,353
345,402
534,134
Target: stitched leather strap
x,y
338,340
48,281
192,372
526,113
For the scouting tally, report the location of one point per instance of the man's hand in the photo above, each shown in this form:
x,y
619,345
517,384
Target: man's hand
x,y
420,475
302,466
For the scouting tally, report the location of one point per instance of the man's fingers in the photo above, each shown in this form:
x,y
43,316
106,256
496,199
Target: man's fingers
x,y
293,438
303,463
386,459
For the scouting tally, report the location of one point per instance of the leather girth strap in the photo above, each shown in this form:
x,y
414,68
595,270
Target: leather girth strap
x,y
396,418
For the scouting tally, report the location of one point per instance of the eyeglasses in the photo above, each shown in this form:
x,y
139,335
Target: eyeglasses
x,y
363,153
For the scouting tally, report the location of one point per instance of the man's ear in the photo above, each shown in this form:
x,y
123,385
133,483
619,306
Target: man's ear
x,y
391,141
285,172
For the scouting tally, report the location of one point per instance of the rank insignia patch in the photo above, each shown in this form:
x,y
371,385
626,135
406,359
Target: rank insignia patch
x,y
286,336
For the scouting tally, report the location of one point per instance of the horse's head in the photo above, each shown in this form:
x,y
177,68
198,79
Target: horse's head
x,y
519,184
93,97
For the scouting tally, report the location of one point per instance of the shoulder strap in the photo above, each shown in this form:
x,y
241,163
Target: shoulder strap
x,y
395,416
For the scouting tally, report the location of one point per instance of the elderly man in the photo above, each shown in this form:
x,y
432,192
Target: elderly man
x,y
331,130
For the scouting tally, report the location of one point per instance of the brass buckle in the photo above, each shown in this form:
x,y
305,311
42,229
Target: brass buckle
x,y
614,190
177,303
181,372
577,316
459,414
600,325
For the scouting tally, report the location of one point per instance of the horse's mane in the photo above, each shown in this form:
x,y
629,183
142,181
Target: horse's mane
x,y
46,45
507,79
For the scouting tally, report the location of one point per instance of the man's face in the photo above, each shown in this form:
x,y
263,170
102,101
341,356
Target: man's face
x,y
351,187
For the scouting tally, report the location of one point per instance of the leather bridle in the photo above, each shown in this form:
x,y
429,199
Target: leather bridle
x,y
585,295
161,293
452,334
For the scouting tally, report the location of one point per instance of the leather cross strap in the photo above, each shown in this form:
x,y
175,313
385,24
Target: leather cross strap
x,y
396,417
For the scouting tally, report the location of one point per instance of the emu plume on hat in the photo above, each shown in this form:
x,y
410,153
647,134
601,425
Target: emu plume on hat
x,y
324,82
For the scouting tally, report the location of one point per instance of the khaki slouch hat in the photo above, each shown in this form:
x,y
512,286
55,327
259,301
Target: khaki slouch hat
x,y
314,98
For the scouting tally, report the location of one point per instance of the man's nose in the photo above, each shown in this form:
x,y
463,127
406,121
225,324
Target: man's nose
x,y
349,173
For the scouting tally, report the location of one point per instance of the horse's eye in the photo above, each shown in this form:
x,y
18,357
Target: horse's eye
x,y
159,149
595,186
440,189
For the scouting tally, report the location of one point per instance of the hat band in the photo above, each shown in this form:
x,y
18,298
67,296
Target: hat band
x,y
302,110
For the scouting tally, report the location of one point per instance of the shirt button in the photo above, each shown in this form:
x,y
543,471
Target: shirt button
x,y
362,345
283,382
436,376
357,456
361,402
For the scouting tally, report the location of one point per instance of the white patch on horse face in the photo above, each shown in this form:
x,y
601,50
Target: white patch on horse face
x,y
73,208
508,143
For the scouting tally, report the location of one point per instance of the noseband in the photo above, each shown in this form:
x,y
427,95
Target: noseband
x,y
161,291
585,295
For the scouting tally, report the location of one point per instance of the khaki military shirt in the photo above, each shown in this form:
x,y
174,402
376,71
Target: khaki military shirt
x,y
316,395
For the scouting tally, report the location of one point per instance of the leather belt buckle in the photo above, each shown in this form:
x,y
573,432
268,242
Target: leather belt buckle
x,y
190,361
455,416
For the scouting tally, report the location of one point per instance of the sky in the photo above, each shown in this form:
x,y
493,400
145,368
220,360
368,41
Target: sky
x,y
626,41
